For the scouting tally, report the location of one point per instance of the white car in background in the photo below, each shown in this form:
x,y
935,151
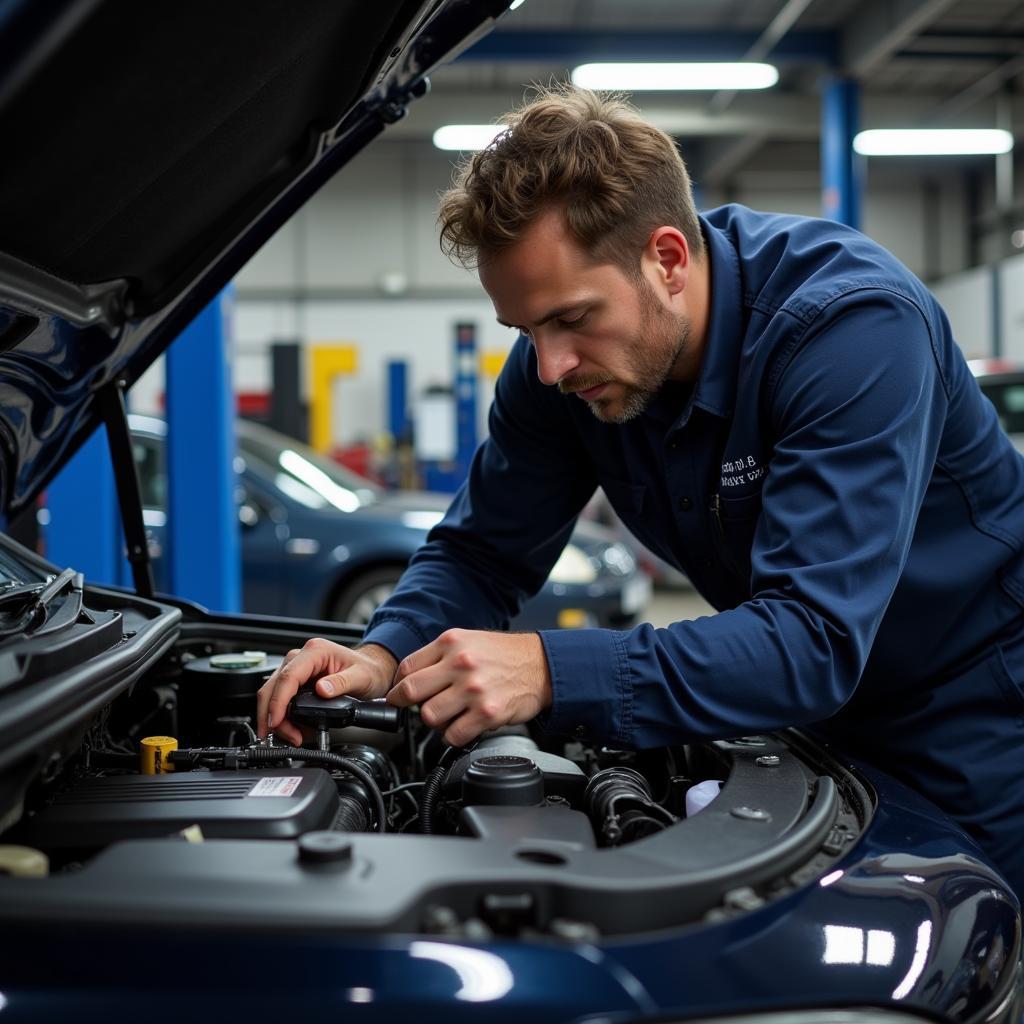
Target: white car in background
x,y
1002,383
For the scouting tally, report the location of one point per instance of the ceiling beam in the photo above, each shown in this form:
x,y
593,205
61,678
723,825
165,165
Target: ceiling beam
x,y
722,158
764,44
990,83
880,28
567,47
945,46
765,115
779,115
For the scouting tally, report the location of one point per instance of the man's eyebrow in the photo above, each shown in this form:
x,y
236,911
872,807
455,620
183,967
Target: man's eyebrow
x,y
561,311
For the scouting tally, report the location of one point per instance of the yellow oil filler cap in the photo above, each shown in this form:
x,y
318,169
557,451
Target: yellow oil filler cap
x,y
23,862
153,751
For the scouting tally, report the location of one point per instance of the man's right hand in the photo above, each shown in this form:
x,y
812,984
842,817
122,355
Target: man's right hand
x,y
366,673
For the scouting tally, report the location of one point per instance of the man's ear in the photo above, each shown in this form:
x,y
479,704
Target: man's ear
x,y
669,255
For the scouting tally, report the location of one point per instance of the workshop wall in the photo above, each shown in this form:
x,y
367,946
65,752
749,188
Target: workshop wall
x,y
371,231
420,331
361,265
377,219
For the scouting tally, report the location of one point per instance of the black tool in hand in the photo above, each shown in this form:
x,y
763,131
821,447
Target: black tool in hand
x,y
306,708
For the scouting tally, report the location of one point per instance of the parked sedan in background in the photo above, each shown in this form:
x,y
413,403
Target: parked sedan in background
x,y
319,541
1002,383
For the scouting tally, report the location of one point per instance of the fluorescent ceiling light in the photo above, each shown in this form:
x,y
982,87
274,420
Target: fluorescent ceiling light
x,y
467,136
932,141
675,77
516,3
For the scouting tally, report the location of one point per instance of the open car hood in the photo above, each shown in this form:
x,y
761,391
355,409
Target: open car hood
x,y
151,149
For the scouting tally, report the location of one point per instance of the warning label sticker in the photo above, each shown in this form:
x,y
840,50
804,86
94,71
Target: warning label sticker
x,y
281,786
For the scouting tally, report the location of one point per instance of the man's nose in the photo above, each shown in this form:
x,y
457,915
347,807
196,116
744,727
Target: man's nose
x,y
555,359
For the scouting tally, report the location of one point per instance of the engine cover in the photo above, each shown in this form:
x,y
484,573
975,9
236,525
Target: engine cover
x,y
95,812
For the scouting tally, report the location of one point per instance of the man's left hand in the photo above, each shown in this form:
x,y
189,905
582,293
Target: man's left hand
x,y
468,681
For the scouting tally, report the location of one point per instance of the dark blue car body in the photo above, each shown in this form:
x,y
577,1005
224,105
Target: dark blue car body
x,y
810,887
908,920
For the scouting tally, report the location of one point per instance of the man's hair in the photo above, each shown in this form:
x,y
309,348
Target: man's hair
x,y
614,176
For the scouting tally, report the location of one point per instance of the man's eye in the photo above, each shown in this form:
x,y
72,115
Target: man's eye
x,y
570,324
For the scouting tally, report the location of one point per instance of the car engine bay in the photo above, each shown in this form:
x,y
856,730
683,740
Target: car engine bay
x,y
150,787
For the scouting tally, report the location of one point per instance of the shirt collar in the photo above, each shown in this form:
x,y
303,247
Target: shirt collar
x,y
716,383
715,389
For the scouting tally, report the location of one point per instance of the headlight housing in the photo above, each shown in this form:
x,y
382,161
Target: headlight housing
x,y
574,565
618,560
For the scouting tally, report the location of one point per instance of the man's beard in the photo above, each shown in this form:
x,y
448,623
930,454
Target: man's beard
x,y
653,349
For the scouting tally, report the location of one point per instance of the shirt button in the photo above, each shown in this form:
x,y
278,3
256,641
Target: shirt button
x,y
673,444
708,564
685,504
580,730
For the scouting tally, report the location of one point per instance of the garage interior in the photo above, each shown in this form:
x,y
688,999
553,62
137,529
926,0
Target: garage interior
x,y
241,385
351,331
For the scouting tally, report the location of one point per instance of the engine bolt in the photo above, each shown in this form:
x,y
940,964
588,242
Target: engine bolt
x,y
750,814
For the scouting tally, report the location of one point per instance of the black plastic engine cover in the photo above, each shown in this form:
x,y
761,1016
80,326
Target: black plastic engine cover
x,y
94,813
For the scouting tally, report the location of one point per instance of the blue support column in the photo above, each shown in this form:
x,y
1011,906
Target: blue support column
x,y
202,521
841,168
84,528
465,396
398,399
997,312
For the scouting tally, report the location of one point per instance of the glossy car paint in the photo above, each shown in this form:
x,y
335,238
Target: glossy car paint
x,y
60,343
927,929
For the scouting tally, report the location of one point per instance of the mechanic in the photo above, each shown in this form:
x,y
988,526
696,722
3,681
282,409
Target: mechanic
x,y
772,403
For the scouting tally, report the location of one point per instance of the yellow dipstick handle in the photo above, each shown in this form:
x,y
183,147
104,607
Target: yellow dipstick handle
x,y
153,751
23,862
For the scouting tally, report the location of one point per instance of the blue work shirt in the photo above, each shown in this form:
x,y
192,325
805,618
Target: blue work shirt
x,y
834,483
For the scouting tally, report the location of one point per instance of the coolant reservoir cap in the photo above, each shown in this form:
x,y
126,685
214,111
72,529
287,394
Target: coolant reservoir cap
x,y
503,780
239,660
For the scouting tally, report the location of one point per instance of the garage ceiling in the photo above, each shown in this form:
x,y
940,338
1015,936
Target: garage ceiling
x,y
957,63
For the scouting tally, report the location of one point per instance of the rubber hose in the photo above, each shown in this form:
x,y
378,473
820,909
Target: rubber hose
x,y
264,755
428,798
351,816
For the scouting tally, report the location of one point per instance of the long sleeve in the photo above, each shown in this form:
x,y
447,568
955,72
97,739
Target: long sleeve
x,y
506,526
856,416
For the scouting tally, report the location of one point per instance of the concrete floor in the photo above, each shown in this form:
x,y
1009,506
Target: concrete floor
x,y
669,606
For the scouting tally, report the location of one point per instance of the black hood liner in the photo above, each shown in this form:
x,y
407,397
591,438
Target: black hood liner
x,y
159,129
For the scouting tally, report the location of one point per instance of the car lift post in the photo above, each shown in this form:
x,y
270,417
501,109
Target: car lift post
x,y
83,529
842,177
326,362
466,374
398,400
202,521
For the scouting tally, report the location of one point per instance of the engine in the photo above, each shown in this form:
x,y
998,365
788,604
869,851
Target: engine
x,y
370,768
165,794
